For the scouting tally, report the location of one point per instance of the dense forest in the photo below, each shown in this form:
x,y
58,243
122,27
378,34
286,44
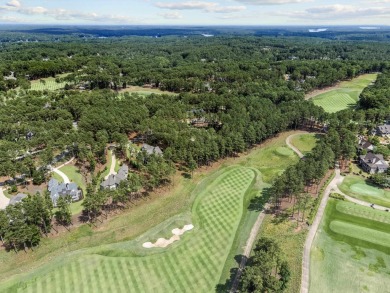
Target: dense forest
x,y
223,95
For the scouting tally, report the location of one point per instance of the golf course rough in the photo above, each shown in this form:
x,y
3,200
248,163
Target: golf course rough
x,y
351,251
193,264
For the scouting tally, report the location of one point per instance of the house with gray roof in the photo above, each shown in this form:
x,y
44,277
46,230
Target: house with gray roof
x,y
58,190
373,163
365,145
383,130
113,180
17,198
150,150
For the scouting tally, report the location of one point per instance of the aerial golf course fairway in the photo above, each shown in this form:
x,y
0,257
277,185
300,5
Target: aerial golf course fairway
x,y
192,264
344,95
359,188
351,251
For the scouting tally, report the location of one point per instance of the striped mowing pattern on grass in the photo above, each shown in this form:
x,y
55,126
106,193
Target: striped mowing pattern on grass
x,y
334,101
193,264
351,250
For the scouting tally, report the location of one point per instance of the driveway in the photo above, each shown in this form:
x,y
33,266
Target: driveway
x,y
62,174
3,200
112,166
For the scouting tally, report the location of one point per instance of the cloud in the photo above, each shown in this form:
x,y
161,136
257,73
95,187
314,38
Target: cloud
x,y
64,14
13,3
337,11
172,15
200,5
272,2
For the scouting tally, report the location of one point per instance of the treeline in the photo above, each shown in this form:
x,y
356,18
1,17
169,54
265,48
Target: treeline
x,y
193,64
338,144
267,269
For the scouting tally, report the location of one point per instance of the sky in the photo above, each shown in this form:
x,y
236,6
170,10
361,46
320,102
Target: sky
x,y
193,12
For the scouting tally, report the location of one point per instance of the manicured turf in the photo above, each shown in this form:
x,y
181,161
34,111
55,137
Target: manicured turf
x,y
155,216
358,187
351,251
346,95
193,264
305,142
49,84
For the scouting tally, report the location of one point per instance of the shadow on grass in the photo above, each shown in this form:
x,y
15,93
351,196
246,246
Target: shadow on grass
x,y
225,287
257,204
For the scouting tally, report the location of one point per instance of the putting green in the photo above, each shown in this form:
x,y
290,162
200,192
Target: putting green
x,y
367,189
192,264
284,151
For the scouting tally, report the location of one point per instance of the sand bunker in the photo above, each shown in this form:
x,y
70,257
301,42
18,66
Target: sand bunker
x,y
162,242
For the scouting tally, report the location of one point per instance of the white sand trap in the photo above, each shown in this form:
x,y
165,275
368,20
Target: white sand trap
x,y
162,242
186,228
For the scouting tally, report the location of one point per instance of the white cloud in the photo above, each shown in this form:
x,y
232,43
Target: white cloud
x,y
272,2
338,11
64,14
13,3
200,5
172,15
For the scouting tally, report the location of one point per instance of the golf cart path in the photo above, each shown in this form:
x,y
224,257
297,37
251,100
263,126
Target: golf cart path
x,y
248,248
291,146
313,230
3,200
112,166
333,186
358,201
60,173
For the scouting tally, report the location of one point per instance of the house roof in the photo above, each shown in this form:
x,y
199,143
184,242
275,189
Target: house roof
x,y
116,179
61,189
374,160
364,144
17,198
151,149
384,128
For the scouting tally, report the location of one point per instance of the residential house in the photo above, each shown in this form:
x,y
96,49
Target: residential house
x,y
58,190
17,198
373,163
113,180
365,145
150,150
383,130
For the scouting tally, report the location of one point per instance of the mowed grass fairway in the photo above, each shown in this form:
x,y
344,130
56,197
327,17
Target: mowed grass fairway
x,y
345,95
305,142
192,264
351,251
357,187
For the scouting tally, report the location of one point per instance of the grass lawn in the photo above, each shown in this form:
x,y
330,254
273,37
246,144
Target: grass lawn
x,y
346,95
74,175
193,264
48,84
144,91
305,142
351,251
218,201
358,187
